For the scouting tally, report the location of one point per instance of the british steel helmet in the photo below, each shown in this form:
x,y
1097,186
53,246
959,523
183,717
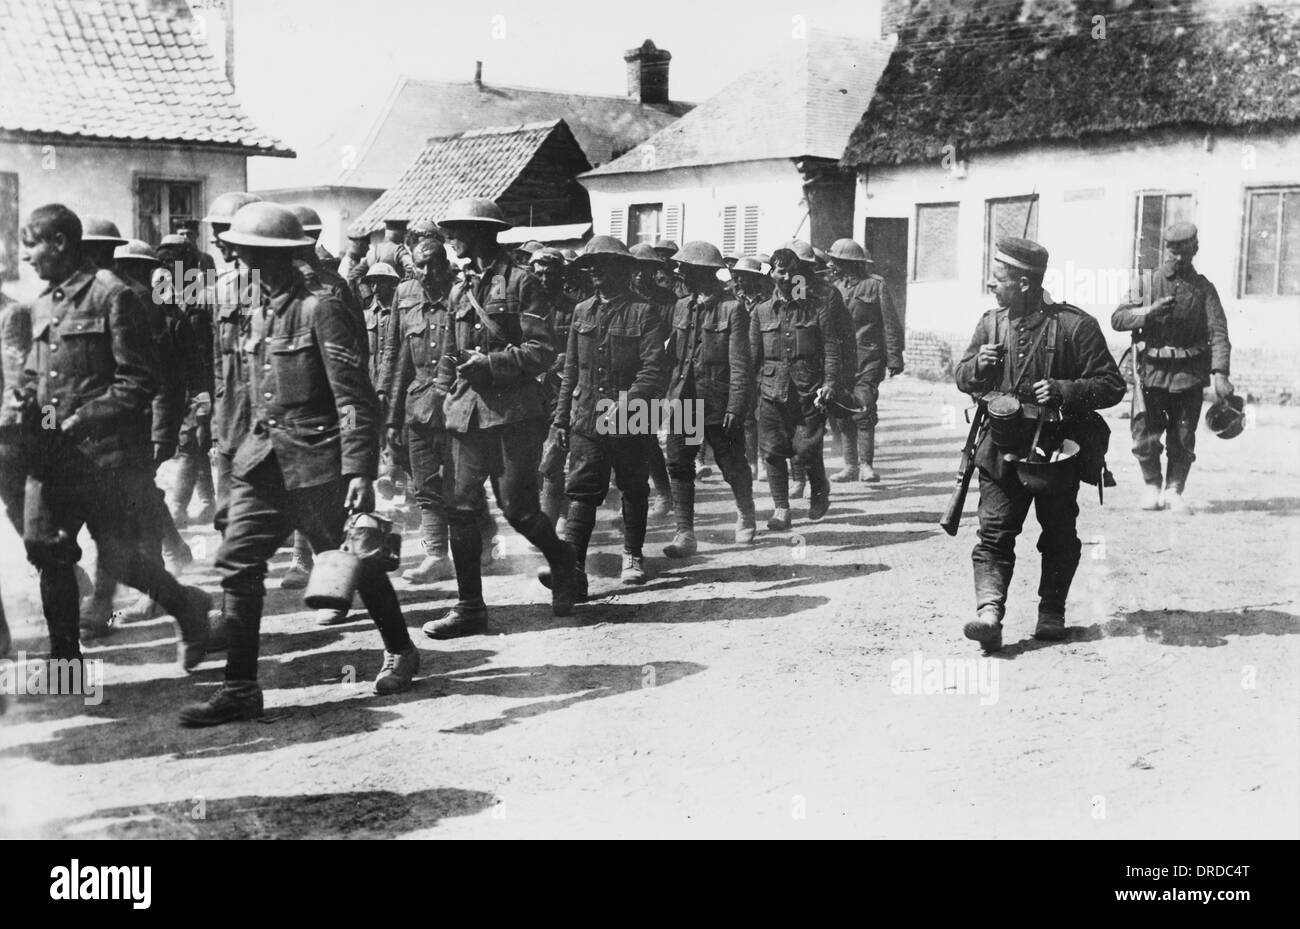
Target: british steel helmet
x,y
309,218
136,250
646,253
1226,418
1056,473
665,248
94,229
423,228
381,269
265,225
225,207
802,250
548,256
848,250
605,246
748,266
699,254
474,210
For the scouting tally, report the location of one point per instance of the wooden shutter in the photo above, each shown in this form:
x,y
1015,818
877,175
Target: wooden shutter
x,y
749,242
728,230
674,216
618,223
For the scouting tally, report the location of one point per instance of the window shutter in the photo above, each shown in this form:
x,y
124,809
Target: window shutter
x,y
674,214
749,244
728,230
618,223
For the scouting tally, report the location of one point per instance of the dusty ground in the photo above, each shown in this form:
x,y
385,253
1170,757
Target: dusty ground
x,y
760,692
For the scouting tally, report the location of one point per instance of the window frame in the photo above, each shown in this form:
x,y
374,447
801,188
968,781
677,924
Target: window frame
x,y
1164,218
200,201
1281,188
916,243
632,209
990,246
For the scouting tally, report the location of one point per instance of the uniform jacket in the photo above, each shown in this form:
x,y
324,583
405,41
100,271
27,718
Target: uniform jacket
x,y
614,347
424,336
1082,365
231,299
178,364
380,338
559,313
1196,321
15,343
512,298
93,355
793,347
877,329
325,280
843,325
709,355
311,402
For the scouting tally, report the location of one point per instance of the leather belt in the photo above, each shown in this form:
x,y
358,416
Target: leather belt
x,y
1170,351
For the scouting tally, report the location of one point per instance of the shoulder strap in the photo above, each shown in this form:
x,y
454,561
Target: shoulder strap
x,y
483,317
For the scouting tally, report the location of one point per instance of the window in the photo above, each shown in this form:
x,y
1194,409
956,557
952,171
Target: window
x,y
1010,216
643,223
1272,247
8,226
160,205
1155,212
740,230
936,242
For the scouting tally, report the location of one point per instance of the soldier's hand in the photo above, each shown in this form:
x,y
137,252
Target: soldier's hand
x,y
1160,306
476,369
823,395
361,496
989,357
729,422
1222,386
1047,392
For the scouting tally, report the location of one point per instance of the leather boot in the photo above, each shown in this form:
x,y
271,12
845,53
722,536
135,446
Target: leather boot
x,y
97,615
189,606
577,535
683,544
465,619
231,702
867,455
986,629
633,569
849,434
59,601
436,566
820,501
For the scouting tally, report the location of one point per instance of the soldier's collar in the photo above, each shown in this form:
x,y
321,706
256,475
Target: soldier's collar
x,y
76,282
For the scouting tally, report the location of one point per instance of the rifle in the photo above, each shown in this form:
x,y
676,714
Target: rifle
x,y
957,502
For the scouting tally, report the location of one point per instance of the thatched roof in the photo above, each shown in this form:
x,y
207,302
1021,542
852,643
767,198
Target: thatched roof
x,y
1015,72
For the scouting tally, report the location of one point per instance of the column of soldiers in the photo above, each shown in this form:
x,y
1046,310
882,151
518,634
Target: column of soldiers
x,y
307,379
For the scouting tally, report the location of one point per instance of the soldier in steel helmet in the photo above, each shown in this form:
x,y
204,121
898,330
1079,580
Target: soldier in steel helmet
x,y
89,380
795,349
495,411
309,456
710,366
549,266
1053,360
877,332
1180,336
613,367
645,283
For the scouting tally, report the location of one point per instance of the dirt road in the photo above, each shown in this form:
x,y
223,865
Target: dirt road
x,y
814,685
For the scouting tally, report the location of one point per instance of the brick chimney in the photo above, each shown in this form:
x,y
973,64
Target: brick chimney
x,y
647,73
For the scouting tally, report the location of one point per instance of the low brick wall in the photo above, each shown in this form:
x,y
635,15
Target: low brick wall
x,y
1269,376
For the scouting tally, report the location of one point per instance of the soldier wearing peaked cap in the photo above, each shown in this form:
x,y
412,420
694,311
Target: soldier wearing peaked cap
x,y
495,412
1041,369
1180,344
309,455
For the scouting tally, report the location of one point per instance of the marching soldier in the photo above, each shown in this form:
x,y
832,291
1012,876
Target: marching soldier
x,y
231,300
710,366
614,359
1180,343
878,335
751,286
548,265
309,455
92,369
194,443
666,249
795,351
392,251
494,410
1050,369
645,284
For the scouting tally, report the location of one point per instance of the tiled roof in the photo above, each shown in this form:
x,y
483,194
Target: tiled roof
x,y
418,110
477,163
987,76
120,70
804,100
